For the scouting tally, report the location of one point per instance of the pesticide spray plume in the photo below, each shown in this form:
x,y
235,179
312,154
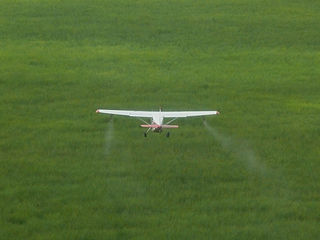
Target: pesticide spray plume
x,y
108,136
240,150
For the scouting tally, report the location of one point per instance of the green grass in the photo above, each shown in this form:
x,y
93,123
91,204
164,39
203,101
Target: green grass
x,y
68,173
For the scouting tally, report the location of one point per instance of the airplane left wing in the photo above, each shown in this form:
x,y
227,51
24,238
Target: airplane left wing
x,y
127,113
181,114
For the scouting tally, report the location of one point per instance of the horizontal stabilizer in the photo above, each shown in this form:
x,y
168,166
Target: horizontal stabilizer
x,y
169,126
149,125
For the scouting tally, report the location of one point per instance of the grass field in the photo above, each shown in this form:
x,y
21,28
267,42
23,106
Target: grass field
x,y
250,173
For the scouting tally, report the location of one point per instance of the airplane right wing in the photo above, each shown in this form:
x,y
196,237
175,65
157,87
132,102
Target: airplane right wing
x,y
181,114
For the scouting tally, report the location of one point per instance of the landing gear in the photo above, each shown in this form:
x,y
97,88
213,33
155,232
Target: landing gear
x,y
168,134
145,133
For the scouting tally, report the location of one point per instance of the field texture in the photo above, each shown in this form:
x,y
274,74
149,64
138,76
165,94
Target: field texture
x,y
250,173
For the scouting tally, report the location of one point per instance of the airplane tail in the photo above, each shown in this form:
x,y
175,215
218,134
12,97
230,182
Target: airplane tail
x,y
149,126
157,126
169,126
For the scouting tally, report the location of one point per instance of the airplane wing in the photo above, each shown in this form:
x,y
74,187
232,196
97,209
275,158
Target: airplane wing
x,y
181,114
127,113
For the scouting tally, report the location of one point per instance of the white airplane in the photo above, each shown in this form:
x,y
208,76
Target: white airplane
x,y
156,124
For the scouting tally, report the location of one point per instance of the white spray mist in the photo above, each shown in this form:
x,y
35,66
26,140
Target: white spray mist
x,y
108,137
273,181
240,150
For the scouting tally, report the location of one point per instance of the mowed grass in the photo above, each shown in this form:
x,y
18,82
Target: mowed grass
x,y
250,173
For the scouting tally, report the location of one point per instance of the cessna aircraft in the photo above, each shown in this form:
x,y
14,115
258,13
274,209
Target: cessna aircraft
x,y
156,124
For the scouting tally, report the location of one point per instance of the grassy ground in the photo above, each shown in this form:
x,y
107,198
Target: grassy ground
x,y
250,173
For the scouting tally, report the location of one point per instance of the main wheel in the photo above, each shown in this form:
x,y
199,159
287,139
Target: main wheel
x,y
168,134
145,134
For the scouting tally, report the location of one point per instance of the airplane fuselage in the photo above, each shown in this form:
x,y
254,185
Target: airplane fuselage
x,y
156,124
157,118
157,121
156,127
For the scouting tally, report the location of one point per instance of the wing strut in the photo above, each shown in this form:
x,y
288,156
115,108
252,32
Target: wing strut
x,y
171,120
143,121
